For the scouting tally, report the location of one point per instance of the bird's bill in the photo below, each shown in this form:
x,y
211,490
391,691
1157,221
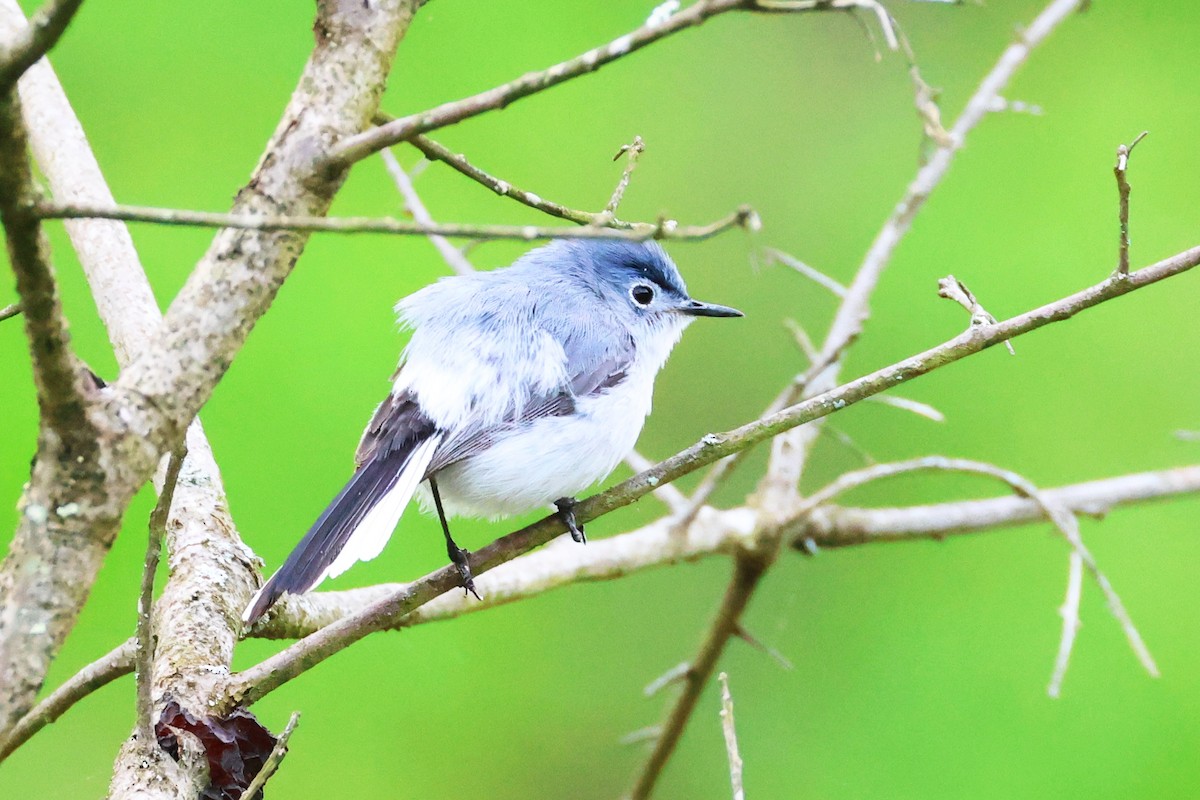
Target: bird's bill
x,y
694,308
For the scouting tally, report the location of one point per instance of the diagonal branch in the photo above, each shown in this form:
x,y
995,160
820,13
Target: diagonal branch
x,y
855,306
99,673
256,682
357,147
57,372
35,40
437,152
747,572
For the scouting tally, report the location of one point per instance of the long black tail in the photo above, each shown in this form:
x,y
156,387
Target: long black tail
x,y
354,527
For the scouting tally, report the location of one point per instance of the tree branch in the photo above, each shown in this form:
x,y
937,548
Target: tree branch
x,y
1123,189
562,563
743,217
263,678
145,618
99,673
42,602
436,152
56,371
747,572
357,147
34,41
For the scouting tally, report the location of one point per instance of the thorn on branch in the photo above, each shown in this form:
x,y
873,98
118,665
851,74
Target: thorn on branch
x,y
1123,189
674,675
952,288
731,743
10,311
815,275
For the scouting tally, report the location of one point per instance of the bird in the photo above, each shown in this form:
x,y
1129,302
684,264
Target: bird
x,y
519,388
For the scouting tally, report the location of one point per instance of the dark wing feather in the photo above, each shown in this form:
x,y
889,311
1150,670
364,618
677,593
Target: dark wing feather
x,y
396,429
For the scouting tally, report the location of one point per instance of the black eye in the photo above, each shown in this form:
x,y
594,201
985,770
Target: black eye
x,y
642,294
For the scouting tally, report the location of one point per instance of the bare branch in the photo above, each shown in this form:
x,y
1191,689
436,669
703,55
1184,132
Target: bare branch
x,y
130,313
1070,615
747,572
355,148
855,307
813,274
912,406
1062,518
1123,189
850,317
436,152
453,257
720,532
743,217
9,311
66,477
632,152
35,40
56,371
731,743
145,636
95,675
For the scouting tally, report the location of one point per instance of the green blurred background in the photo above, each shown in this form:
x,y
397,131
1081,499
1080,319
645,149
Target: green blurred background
x,y
920,669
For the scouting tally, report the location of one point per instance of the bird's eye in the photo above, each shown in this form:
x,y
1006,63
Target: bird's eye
x,y
642,294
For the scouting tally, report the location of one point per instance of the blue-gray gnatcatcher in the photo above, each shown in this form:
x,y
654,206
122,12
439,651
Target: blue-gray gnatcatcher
x,y
519,388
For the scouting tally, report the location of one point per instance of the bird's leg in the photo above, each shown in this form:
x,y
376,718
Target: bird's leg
x,y
566,512
458,556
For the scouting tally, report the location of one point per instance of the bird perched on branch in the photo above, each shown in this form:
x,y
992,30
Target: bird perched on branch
x,y
519,388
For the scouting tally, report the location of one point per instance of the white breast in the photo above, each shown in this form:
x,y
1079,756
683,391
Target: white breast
x,y
551,457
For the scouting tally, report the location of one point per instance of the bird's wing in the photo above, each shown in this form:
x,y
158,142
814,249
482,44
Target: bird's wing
x,y
392,459
588,374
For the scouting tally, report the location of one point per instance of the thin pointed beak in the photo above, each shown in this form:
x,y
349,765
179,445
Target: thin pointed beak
x,y
694,308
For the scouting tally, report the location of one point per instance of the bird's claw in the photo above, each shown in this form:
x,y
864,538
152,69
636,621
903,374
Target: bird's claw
x,y
463,565
566,512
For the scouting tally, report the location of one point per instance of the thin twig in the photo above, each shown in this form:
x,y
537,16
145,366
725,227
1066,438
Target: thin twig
x,y
855,307
145,619
1123,189
1070,628
721,532
257,681
10,311
356,148
747,572
1062,518
731,743
453,257
913,406
437,152
632,152
61,397
672,676
813,274
101,672
743,217
45,28
273,760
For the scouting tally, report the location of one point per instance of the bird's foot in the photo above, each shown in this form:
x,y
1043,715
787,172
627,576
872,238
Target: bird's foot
x,y
566,512
459,556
